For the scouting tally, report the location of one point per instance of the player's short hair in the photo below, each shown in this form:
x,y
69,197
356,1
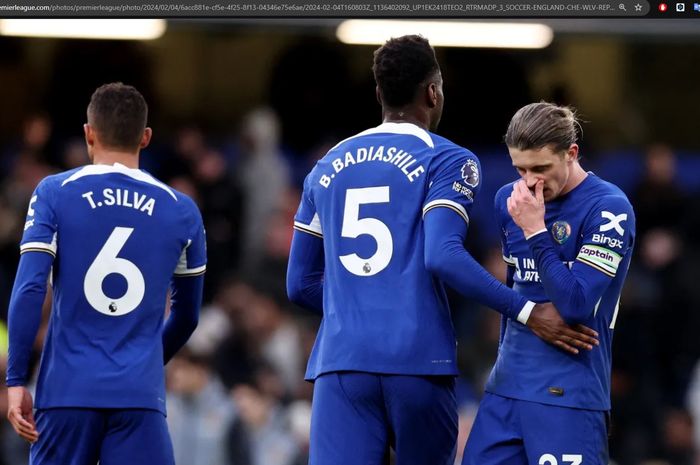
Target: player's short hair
x,y
542,124
118,113
400,66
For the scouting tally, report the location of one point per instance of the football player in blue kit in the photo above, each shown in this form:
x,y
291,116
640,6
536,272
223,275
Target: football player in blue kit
x,y
379,230
567,237
112,241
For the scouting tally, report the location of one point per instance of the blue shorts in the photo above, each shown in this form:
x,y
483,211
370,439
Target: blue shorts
x,y
81,436
516,432
357,416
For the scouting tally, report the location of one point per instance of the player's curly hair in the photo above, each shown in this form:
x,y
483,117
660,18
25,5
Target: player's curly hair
x,y
118,113
541,124
400,66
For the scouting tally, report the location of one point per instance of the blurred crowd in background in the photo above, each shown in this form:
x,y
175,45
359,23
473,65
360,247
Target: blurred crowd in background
x,y
236,394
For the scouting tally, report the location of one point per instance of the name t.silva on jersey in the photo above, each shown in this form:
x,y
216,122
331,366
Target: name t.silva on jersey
x,y
398,157
122,198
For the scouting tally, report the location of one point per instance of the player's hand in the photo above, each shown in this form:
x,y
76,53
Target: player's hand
x,y
20,413
549,326
527,210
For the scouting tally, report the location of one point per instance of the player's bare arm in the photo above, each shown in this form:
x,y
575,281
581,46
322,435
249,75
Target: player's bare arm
x,y
20,413
549,326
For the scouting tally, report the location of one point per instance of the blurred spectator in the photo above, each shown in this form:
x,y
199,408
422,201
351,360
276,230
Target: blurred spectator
x,y
74,154
262,431
33,147
662,288
677,442
299,419
201,171
264,176
220,201
657,199
653,353
189,143
277,338
254,332
23,166
11,222
199,411
235,356
693,406
271,268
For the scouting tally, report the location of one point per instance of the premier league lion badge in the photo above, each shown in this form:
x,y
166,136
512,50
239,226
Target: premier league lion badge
x,y
561,230
470,173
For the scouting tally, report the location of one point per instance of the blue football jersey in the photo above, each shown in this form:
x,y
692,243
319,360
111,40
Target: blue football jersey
x,y
592,226
383,312
118,236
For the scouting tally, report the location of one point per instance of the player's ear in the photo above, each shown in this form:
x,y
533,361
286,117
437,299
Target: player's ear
x,y
89,134
378,93
572,153
146,138
432,94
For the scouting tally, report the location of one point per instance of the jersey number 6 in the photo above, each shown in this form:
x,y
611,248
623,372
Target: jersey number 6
x,y
107,263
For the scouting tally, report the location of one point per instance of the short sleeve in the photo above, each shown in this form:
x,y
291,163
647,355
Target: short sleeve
x,y
193,261
454,183
306,219
41,225
608,234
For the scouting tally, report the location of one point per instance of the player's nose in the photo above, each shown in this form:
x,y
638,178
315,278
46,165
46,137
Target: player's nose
x,y
531,179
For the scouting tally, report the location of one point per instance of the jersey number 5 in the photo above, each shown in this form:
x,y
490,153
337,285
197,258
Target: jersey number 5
x,y
354,226
107,263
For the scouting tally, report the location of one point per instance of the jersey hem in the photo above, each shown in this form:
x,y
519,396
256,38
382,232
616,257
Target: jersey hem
x,y
311,376
548,402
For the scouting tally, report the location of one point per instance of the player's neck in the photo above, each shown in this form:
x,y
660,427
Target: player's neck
x,y
578,174
110,157
407,116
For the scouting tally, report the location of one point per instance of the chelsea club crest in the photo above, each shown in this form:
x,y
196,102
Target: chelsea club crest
x,y
561,230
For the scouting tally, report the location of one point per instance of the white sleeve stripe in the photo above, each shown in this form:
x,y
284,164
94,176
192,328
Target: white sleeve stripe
x,y
544,230
189,271
315,226
598,267
38,250
509,260
449,204
39,245
181,266
525,312
452,203
307,231
466,219
316,223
